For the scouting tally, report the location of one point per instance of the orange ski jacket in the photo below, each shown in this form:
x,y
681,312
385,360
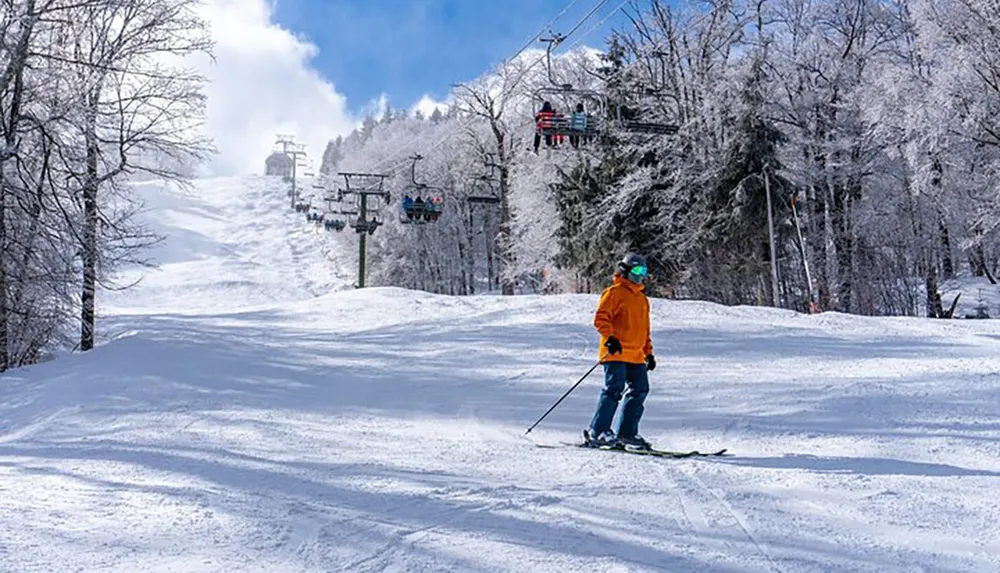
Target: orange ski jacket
x,y
624,313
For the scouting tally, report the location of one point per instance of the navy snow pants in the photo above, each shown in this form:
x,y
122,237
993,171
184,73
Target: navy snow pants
x,y
618,375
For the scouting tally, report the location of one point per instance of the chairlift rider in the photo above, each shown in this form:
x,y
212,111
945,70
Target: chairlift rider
x,y
414,209
578,123
545,122
408,207
433,209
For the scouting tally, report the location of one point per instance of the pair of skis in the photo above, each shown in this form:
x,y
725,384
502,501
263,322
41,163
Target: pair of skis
x,y
638,451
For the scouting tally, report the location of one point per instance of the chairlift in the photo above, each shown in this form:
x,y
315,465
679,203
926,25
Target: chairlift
x,y
628,120
657,89
636,125
334,218
561,111
421,203
486,180
314,216
352,220
565,112
485,199
367,226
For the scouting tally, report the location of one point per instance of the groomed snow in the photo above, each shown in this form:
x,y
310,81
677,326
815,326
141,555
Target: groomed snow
x,y
249,414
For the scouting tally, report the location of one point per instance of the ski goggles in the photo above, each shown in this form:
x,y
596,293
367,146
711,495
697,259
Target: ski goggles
x,y
639,270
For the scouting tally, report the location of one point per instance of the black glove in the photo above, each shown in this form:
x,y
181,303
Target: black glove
x,y
650,363
613,346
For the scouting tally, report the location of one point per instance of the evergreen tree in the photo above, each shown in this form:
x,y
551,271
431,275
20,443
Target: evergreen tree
x,y
733,235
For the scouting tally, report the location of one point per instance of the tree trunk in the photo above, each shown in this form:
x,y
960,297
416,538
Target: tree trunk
x,y
14,73
947,265
816,224
463,287
30,243
505,232
90,222
934,306
977,261
4,319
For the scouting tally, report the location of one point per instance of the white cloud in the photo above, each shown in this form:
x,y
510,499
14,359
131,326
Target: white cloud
x,y
427,104
262,85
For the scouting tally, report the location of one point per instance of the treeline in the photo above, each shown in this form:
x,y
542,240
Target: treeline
x,y
871,128
92,94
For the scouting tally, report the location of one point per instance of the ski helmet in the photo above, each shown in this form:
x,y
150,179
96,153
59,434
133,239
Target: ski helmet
x,y
634,266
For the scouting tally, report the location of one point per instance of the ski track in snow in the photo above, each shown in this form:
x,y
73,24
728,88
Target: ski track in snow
x,y
249,411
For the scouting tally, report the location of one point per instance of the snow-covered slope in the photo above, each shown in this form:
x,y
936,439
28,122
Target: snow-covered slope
x,y
231,243
265,429
977,297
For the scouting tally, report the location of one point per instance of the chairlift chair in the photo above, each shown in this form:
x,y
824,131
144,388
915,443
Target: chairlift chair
x,y
373,218
366,226
657,88
636,125
421,203
314,216
565,120
485,199
420,206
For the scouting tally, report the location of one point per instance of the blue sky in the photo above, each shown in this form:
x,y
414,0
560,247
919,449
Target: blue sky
x,y
409,48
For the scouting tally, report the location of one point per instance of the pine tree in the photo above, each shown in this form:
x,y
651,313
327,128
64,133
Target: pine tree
x,y
733,234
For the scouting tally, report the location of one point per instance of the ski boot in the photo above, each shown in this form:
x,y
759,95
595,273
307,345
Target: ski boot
x,y
634,443
607,438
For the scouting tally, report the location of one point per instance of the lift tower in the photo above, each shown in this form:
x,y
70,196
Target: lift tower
x,y
361,186
293,150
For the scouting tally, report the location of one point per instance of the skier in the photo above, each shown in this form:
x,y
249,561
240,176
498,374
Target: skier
x,y
626,352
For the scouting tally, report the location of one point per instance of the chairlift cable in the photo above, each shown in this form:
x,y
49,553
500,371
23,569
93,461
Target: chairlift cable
x,y
598,25
402,163
540,59
547,26
585,18
395,167
527,45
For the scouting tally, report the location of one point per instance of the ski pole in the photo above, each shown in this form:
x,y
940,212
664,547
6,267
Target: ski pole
x,y
563,398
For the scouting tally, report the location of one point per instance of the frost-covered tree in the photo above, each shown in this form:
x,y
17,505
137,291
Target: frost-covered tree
x,y
94,92
138,108
873,121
